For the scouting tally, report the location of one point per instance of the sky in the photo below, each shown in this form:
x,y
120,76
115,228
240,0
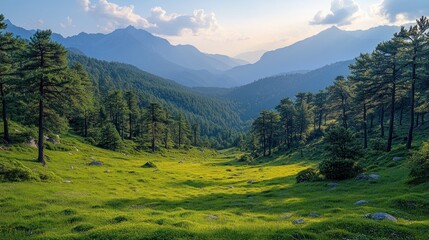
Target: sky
x,y
227,27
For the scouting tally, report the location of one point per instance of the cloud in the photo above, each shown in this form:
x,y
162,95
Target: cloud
x,y
159,21
397,10
175,24
86,5
67,23
342,12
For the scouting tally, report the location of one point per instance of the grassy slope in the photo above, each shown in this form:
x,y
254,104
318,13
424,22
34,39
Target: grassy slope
x,y
203,194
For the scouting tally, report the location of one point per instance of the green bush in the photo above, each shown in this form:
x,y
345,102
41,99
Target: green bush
x,y
308,175
420,165
110,138
342,144
247,158
339,169
378,144
343,149
15,171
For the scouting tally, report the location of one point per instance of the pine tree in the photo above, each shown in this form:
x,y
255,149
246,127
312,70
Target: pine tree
x,y
45,66
132,103
155,118
415,42
9,46
388,66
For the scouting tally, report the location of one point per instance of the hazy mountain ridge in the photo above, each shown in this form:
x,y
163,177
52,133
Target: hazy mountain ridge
x,y
184,64
327,47
266,93
188,66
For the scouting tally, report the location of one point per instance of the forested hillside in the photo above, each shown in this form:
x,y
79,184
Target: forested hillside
x,y
267,92
213,115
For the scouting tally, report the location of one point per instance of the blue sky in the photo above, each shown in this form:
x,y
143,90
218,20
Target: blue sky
x,y
222,26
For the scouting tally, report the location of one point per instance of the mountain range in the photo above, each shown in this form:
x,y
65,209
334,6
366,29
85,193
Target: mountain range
x,y
188,66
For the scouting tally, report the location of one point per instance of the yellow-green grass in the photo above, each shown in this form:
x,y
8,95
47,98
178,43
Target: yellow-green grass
x,y
204,194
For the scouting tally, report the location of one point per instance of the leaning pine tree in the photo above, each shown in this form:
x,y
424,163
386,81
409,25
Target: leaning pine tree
x,y
45,69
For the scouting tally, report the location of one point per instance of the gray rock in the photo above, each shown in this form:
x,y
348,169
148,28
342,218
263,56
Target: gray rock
x,y
107,171
313,215
95,163
32,142
380,216
250,182
230,186
332,185
397,158
368,177
285,216
212,217
298,221
67,181
361,202
149,165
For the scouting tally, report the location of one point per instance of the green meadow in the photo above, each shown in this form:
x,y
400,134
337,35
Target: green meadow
x,y
204,194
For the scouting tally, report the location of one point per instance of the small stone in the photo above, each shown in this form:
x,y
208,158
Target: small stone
x,y
107,171
149,165
212,217
71,167
230,186
285,216
250,182
332,185
32,142
95,163
380,216
313,215
368,177
361,202
397,158
67,181
298,221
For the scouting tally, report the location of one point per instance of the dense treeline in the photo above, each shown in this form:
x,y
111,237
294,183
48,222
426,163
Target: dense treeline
x,y
41,85
385,89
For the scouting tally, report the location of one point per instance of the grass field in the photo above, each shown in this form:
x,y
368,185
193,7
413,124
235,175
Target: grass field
x,y
204,194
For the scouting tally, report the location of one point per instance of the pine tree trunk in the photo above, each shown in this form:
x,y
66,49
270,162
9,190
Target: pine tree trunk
x,y
382,121
392,118
6,136
131,126
412,114
365,128
40,143
85,126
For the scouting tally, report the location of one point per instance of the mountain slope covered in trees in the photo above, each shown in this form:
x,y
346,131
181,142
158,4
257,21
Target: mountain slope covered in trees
x,y
213,115
266,93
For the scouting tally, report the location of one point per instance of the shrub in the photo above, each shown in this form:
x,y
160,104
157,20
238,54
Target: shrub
x,y
339,169
420,165
247,158
342,144
378,144
343,149
110,138
16,172
308,175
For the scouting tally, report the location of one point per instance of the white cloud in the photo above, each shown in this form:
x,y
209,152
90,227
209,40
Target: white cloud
x,y
342,12
86,5
67,23
159,22
399,11
175,24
